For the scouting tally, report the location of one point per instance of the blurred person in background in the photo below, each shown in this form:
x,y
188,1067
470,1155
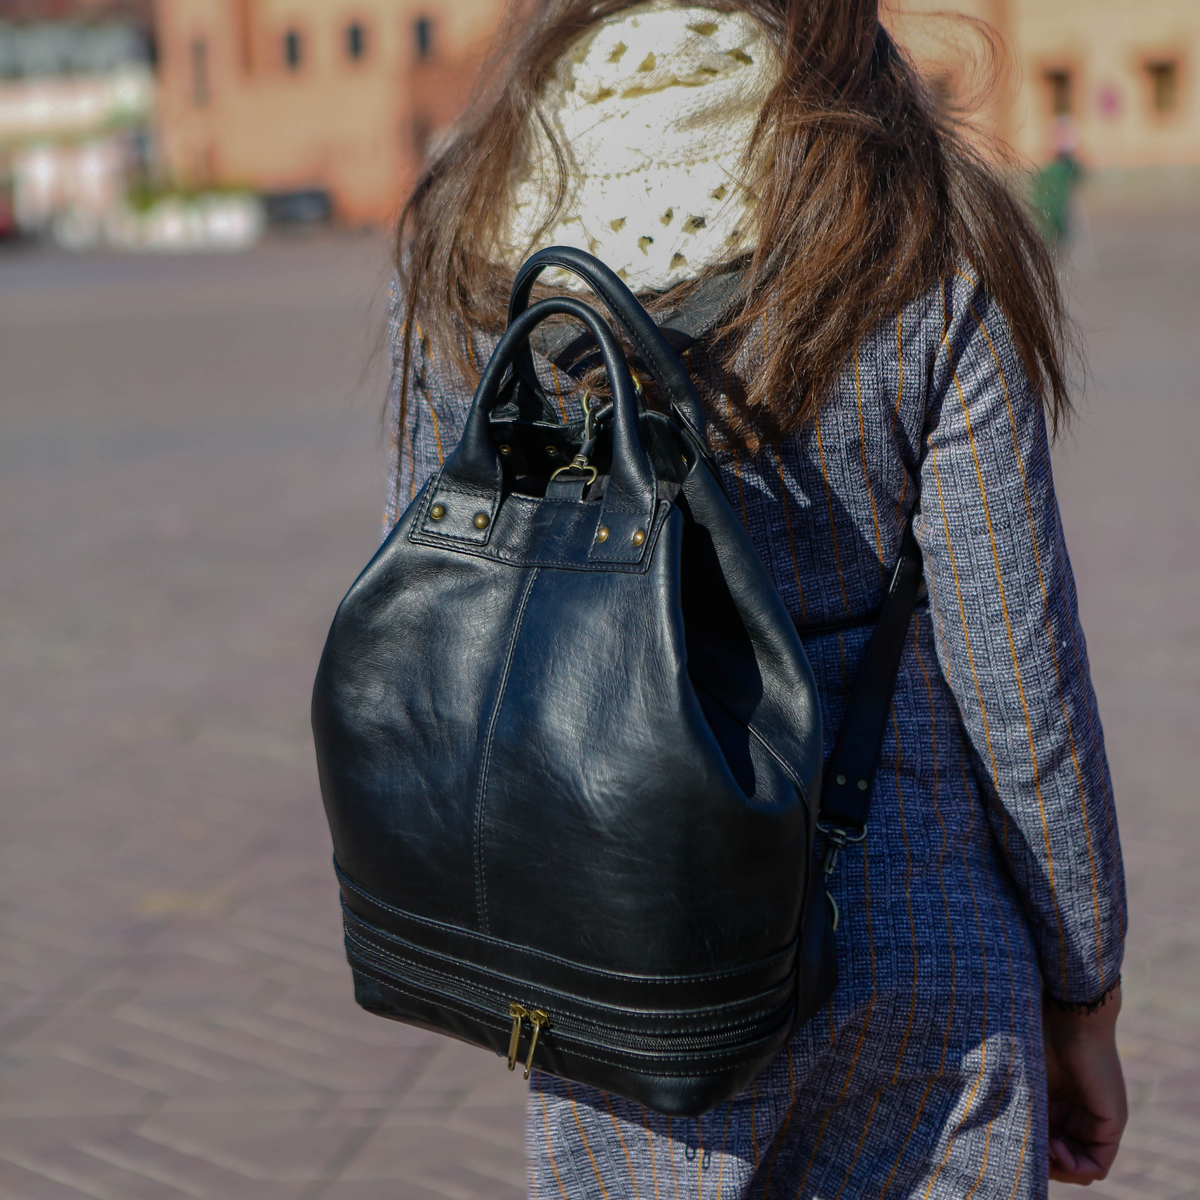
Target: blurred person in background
x,y
879,339
1055,184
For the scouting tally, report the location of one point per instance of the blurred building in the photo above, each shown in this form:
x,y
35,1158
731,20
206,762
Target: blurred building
x,y
340,96
76,110
1116,80
347,96
1113,82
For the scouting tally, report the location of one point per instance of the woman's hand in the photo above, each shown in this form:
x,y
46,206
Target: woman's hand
x,y
1086,1090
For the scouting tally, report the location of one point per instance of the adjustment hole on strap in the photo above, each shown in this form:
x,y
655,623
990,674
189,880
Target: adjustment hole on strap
x,y
840,781
862,785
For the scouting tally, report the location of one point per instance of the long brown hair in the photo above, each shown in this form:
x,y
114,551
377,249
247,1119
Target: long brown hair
x,y
873,196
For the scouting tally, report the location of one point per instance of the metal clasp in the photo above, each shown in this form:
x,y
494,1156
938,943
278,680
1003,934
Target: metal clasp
x,y
589,416
837,839
578,463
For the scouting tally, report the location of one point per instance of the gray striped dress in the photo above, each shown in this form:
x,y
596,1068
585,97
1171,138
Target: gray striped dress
x,y
991,868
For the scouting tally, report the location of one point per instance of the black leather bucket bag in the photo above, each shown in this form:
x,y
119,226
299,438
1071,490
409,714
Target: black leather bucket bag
x,y
570,746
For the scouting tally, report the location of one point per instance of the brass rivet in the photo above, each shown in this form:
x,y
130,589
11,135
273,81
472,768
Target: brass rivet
x,y
552,451
602,534
505,448
482,520
437,512
840,781
862,785
639,536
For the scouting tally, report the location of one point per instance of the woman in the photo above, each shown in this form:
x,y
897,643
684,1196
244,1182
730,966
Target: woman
x,y
878,337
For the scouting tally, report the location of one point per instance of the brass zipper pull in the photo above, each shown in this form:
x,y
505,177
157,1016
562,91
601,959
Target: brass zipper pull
x,y
537,1018
518,1014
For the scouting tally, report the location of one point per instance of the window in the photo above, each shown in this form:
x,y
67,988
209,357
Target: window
x,y
1164,85
1061,99
198,54
293,49
356,41
423,32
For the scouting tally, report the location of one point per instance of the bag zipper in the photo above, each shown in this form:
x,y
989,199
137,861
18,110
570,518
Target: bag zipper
x,y
576,1029
537,1017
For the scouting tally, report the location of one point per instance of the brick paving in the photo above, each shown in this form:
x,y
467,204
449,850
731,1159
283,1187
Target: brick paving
x,y
190,474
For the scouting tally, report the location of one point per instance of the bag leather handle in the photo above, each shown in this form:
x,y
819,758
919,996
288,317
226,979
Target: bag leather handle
x,y
475,465
661,361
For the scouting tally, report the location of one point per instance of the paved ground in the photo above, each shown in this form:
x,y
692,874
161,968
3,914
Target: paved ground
x,y
190,474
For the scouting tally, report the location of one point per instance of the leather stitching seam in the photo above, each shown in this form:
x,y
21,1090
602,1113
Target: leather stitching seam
x,y
689,1015
790,949
686,1028
480,882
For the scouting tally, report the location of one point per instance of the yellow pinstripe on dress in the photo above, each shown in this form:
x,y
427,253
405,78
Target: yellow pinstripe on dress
x,y
991,860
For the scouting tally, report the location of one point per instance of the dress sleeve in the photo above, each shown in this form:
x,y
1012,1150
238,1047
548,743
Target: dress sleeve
x,y
1009,642
392,507
425,414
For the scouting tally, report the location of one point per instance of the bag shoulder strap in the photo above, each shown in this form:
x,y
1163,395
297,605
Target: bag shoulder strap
x,y
849,780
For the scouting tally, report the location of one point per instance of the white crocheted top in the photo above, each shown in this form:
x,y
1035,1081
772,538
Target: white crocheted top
x,y
653,110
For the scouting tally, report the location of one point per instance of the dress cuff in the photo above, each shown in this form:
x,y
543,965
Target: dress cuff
x,y
1083,1008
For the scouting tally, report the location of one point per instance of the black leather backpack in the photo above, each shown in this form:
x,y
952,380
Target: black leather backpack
x,y
570,746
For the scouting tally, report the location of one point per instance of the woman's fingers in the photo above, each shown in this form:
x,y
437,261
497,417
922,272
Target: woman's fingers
x,y
1072,1166
1062,1162
1072,1161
